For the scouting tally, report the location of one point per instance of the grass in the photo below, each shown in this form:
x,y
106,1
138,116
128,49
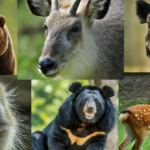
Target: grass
x,y
125,103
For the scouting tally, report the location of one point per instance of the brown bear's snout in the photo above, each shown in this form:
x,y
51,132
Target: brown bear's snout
x,y
2,21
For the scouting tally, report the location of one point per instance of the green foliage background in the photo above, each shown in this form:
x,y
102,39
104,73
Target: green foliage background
x,y
8,8
47,97
30,42
125,103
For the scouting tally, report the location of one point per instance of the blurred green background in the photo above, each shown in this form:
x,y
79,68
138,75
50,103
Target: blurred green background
x,y
8,8
135,52
47,97
30,42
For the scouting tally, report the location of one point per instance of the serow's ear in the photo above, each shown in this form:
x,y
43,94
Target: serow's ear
x,y
142,10
75,87
39,7
2,21
108,91
96,9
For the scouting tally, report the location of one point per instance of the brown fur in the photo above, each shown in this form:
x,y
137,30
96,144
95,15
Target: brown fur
x,y
7,56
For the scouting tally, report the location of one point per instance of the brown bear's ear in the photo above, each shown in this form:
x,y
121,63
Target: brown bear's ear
x,y
2,21
108,91
75,87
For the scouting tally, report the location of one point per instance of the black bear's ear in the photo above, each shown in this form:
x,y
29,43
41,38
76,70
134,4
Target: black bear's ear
x,y
142,10
108,91
2,21
75,87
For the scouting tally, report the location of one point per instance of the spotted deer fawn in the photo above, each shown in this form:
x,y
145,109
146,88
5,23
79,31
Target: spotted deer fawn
x,y
136,122
143,13
84,38
11,127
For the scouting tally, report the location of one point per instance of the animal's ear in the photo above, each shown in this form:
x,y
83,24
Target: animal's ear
x,y
108,91
39,7
75,87
2,21
147,44
96,9
142,10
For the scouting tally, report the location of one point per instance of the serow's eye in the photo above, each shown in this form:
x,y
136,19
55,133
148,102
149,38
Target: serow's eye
x,y
75,29
45,26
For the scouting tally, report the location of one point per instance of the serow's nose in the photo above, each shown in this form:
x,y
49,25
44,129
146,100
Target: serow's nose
x,y
46,64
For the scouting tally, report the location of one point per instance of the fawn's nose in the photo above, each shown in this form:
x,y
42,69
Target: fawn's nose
x,y
46,64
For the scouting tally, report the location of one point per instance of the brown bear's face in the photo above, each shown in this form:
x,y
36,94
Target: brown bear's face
x,y
3,35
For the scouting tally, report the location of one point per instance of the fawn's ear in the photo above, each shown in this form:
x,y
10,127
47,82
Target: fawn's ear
x,y
142,10
2,21
96,9
39,7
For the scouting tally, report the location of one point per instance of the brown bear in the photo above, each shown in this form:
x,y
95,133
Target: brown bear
x,y
7,56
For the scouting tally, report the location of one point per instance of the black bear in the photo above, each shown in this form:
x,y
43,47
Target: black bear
x,y
143,13
82,123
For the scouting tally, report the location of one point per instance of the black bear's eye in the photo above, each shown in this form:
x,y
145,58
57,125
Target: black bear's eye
x,y
84,101
96,101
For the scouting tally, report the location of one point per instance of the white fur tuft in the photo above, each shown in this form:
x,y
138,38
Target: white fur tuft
x,y
12,131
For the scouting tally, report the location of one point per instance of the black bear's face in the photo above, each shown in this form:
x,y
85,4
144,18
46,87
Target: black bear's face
x,y
90,106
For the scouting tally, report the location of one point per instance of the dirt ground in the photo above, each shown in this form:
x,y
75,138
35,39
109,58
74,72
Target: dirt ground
x,y
135,87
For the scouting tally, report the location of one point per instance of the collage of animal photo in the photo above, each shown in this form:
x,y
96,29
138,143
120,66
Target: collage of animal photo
x,y
74,74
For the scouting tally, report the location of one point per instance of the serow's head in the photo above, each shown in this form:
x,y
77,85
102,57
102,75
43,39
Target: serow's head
x,y
90,103
64,30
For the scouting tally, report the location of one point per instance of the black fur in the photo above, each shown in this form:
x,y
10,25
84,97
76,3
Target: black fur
x,y
75,87
108,91
126,111
68,118
39,141
142,10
